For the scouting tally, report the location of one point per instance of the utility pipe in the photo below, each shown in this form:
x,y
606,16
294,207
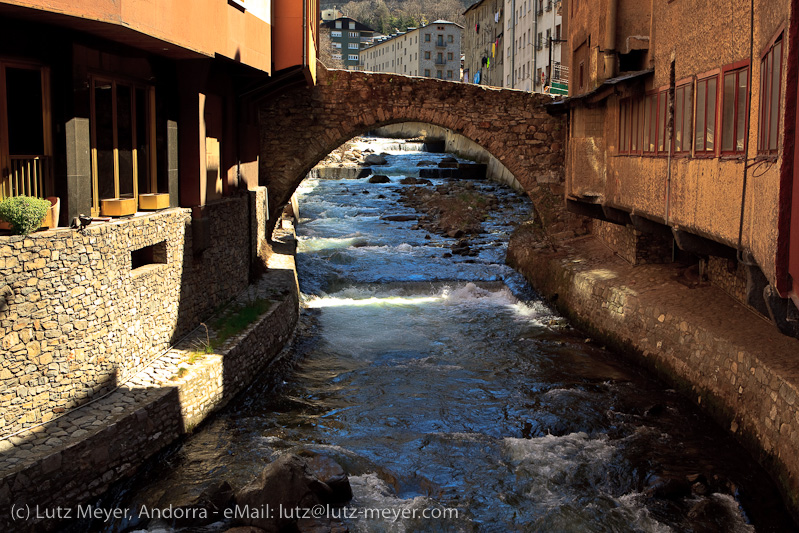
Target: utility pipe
x,y
610,39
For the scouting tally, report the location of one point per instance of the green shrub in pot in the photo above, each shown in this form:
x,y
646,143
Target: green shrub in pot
x,y
23,213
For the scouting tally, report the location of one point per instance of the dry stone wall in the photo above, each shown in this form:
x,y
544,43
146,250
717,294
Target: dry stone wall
x,y
80,311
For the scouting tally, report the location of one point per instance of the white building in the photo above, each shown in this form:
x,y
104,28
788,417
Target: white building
x,y
433,51
533,31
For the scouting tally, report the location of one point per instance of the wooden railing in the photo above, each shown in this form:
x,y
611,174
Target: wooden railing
x,y
26,176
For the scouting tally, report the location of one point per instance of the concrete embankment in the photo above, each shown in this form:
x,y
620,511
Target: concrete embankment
x,y
55,469
730,361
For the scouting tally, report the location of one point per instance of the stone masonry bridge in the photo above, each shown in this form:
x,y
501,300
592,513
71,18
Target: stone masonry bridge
x,y
301,127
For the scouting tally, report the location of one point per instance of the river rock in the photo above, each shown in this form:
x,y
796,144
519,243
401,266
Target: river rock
x,y
449,159
410,180
200,510
375,159
426,163
379,178
285,482
331,474
399,218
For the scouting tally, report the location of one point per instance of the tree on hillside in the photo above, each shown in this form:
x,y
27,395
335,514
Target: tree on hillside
x,y
388,16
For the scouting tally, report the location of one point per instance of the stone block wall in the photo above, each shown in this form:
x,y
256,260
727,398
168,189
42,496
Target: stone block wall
x,y
635,247
83,310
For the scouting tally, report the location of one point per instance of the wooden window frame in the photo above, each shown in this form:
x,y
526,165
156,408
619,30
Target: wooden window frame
x,y
150,134
631,125
705,79
737,69
766,111
687,142
41,183
657,124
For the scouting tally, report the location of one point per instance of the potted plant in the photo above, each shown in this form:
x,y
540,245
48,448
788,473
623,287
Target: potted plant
x,y
24,214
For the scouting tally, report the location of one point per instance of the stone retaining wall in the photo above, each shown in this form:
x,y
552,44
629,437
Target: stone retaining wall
x,y
80,311
135,423
733,364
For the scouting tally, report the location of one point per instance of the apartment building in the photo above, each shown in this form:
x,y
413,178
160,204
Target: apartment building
x,y
483,43
534,33
432,51
683,129
348,37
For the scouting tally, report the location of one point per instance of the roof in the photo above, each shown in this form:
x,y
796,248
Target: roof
x,y
358,26
441,21
474,6
600,93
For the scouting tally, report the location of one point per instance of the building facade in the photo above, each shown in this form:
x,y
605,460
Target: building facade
x,y
683,126
432,51
483,43
348,37
535,33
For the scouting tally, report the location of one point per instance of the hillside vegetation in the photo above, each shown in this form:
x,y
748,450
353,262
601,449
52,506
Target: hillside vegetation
x,y
388,16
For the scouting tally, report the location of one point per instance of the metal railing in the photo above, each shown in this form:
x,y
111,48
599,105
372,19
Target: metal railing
x,y
26,177
560,73
441,61
441,44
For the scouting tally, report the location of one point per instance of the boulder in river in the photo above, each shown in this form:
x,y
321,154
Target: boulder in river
x,y
290,482
379,178
375,159
426,163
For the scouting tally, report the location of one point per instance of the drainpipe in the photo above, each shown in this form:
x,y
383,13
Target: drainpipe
x,y
513,44
535,49
610,39
305,33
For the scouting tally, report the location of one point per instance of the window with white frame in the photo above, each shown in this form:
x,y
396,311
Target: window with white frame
x,y
335,33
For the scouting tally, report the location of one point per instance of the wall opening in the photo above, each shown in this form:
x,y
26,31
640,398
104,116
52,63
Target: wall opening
x,y
154,254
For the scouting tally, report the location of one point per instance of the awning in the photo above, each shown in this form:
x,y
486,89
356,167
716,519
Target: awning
x,y
605,89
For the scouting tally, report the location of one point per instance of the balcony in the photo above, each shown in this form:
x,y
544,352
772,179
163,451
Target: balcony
x,y
441,44
440,61
26,177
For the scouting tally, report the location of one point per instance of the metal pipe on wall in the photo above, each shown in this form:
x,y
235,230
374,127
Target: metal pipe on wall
x,y
610,39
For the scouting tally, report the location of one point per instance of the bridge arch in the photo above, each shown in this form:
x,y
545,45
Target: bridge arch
x,y
300,127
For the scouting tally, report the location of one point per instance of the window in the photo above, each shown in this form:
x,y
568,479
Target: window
x,y
121,135
353,34
427,37
440,74
449,56
338,24
26,147
449,74
683,111
353,57
630,125
733,110
352,46
427,72
655,122
336,56
335,33
336,45
450,39
427,55
770,82
352,25
705,129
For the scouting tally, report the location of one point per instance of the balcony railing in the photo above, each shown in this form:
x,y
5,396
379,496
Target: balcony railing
x,y
441,61
26,177
441,44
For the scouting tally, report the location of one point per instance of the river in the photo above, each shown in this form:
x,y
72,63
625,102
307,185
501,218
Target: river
x,y
442,384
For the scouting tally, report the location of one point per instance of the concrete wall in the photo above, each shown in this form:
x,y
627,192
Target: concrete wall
x,y
77,317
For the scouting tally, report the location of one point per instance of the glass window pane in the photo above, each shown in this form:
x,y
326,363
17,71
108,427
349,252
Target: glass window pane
x,y
635,130
678,117
141,140
711,115
774,120
688,120
623,126
125,139
104,139
728,113
743,97
764,101
24,102
647,121
701,94
661,121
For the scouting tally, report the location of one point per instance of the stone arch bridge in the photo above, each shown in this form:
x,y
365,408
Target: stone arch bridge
x,y
302,126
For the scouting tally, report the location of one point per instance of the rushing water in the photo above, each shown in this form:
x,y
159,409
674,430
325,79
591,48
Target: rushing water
x,y
443,383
